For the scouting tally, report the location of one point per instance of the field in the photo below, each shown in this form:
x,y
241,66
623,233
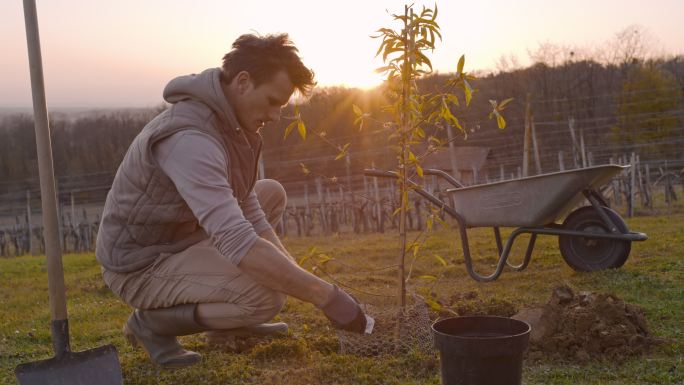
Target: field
x,y
652,278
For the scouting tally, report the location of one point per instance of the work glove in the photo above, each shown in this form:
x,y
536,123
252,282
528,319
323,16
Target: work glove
x,y
344,312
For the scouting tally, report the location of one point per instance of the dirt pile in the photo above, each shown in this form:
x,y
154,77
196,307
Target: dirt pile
x,y
586,325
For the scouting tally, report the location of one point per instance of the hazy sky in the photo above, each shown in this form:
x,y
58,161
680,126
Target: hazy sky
x,y
121,53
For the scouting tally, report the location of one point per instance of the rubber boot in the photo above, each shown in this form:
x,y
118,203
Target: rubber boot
x,y
156,330
227,336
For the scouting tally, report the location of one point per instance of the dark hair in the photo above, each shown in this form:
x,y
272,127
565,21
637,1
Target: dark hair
x,y
263,57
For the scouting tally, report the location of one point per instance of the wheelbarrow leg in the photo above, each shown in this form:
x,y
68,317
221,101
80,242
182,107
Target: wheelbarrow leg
x,y
497,236
503,256
528,255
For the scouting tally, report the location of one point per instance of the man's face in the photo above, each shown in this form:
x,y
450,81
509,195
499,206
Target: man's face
x,y
256,106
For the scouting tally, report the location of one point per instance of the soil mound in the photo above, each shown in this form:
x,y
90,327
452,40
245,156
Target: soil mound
x,y
586,325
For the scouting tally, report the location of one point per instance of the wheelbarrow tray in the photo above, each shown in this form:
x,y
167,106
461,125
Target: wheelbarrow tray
x,y
528,202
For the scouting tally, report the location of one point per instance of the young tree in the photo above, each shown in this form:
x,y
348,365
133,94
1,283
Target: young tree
x,y
404,53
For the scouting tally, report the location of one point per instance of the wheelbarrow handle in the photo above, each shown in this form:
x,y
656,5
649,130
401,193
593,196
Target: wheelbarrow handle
x,y
416,188
379,173
450,179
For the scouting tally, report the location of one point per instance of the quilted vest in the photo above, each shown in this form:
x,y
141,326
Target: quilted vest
x,y
144,215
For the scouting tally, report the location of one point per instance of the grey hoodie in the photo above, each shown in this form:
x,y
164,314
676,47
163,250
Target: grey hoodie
x,y
188,175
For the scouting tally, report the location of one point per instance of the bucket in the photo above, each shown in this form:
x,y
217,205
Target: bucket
x,y
481,350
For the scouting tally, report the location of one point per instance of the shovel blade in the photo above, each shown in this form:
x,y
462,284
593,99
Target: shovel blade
x,y
95,366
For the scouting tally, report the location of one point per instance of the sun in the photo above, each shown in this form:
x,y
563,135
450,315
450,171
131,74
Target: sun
x,y
351,76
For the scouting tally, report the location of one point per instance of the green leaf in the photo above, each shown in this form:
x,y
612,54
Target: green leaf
x,y
343,152
500,121
502,105
453,99
468,90
303,259
434,305
357,110
289,128
302,129
419,170
428,277
461,62
308,255
323,259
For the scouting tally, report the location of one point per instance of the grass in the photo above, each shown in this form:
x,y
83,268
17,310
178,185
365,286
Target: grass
x,y
652,278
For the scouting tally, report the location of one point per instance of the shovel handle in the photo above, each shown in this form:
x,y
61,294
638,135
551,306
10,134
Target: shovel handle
x,y
53,252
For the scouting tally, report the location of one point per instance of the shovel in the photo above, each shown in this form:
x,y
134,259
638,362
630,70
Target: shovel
x,y
96,366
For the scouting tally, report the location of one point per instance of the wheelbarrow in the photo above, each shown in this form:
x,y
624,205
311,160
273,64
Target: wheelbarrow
x,y
592,237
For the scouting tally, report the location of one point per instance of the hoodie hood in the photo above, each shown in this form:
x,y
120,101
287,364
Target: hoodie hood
x,y
205,88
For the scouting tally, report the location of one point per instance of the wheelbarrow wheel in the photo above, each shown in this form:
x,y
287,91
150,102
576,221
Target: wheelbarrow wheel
x,y
591,254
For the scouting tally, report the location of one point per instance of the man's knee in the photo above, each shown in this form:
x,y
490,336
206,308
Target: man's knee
x,y
270,306
272,198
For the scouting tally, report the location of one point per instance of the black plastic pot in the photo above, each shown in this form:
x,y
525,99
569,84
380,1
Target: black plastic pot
x,y
481,350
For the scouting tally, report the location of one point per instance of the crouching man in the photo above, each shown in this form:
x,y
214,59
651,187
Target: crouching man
x,y
187,236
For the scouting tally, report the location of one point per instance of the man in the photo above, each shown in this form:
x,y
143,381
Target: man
x,y
186,236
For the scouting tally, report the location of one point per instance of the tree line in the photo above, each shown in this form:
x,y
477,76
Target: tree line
x,y
634,105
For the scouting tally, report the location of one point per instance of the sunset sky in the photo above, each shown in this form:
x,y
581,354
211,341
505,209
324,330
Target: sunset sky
x,y
122,53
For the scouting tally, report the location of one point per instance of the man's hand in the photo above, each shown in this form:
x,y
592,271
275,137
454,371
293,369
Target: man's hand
x,y
344,312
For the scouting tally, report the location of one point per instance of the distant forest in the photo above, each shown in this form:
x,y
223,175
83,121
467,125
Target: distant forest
x,y
629,105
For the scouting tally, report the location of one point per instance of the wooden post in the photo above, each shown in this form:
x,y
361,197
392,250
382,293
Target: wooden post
x,y
73,211
535,147
527,139
295,213
643,188
352,198
307,211
321,206
666,187
571,126
343,202
632,172
32,251
615,186
583,152
367,198
86,233
452,152
648,185
378,210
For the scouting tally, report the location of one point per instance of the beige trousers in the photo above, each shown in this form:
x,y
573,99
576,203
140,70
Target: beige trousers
x,y
226,297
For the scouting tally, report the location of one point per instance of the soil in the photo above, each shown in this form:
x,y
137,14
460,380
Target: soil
x,y
586,326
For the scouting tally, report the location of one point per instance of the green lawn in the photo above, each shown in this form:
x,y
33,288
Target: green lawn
x,y
652,278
